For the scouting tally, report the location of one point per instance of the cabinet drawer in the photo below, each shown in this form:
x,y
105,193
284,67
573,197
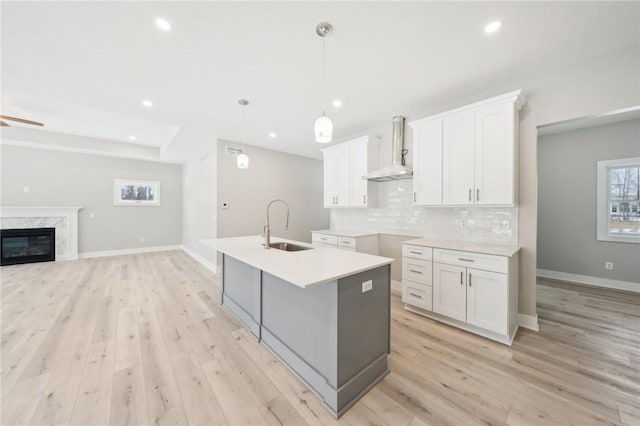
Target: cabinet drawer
x,y
486,262
417,270
417,252
324,239
347,243
346,248
417,295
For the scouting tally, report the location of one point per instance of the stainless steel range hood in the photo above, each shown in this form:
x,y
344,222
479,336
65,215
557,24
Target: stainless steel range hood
x,y
396,171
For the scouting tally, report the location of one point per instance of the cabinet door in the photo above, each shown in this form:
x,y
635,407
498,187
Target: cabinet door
x,y
427,164
449,291
495,154
458,159
330,178
343,176
358,193
487,297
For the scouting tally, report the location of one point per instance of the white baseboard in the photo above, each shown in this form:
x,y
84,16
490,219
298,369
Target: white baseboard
x,y
528,321
204,262
396,285
120,252
585,279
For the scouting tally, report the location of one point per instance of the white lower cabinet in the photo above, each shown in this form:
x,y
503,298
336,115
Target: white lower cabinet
x,y
361,243
450,291
483,301
487,300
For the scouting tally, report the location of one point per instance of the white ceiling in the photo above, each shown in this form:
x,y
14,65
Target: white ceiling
x,y
383,59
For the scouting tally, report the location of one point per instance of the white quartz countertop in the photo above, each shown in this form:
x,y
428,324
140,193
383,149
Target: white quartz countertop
x,y
344,233
494,249
304,268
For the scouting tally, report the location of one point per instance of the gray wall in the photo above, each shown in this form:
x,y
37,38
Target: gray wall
x,y
60,178
199,212
271,174
567,201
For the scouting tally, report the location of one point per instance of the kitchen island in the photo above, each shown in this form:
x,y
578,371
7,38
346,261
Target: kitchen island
x,y
323,311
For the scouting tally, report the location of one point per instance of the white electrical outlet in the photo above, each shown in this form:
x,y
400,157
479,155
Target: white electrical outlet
x,y
367,286
608,265
142,240
26,189
92,215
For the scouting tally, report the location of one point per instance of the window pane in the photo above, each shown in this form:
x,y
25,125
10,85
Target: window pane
x,y
624,197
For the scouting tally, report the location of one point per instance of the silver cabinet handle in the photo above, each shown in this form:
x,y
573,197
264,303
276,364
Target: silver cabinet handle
x,y
364,199
466,260
478,194
414,197
415,252
469,279
345,242
415,272
461,278
415,295
470,194
323,239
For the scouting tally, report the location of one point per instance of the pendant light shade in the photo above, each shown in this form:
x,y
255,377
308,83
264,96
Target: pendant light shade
x,y
323,126
324,129
242,161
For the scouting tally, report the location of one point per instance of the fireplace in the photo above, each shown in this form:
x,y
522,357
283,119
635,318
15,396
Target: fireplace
x,y
27,245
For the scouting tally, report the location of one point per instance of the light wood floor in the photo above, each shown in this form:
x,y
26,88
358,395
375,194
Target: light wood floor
x,y
141,339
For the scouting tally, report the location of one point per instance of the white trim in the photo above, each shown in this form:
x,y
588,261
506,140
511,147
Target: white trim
x,y
528,321
585,279
602,200
396,285
36,145
90,254
623,114
204,262
516,96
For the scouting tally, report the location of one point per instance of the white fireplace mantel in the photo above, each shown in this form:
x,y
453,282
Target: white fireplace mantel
x,y
64,219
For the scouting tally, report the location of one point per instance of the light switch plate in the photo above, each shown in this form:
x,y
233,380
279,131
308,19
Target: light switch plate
x,y
367,285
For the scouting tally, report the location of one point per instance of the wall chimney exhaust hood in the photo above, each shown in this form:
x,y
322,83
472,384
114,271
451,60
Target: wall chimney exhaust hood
x,y
397,170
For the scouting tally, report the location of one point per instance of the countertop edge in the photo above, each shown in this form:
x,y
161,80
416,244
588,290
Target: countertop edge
x,y
482,248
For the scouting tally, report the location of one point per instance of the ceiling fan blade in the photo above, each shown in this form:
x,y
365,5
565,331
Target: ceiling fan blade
x,y
20,120
3,124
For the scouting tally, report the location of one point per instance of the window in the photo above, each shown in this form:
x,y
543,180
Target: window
x,y
618,200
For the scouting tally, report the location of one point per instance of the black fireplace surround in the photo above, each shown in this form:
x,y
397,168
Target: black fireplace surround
x,y
27,245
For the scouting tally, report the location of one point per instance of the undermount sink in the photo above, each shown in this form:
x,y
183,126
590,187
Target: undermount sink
x,y
288,247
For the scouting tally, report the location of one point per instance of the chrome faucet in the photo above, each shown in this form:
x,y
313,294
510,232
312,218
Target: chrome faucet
x,y
267,231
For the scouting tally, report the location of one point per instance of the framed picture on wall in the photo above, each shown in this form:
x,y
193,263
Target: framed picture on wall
x,y
127,192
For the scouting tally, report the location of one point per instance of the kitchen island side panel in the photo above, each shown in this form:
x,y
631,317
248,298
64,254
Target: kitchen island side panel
x,y
363,335
242,292
305,321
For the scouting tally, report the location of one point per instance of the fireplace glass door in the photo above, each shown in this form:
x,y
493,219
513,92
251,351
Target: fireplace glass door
x,y
27,245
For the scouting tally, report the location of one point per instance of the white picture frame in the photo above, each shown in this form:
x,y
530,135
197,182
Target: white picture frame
x,y
132,192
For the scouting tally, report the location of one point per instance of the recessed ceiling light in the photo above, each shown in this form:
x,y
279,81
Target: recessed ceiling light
x,y
132,138
163,24
492,27
337,103
273,135
147,103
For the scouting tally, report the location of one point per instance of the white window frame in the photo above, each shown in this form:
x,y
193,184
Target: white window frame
x,y
602,200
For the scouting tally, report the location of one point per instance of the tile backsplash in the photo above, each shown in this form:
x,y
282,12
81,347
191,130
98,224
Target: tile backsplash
x,y
396,214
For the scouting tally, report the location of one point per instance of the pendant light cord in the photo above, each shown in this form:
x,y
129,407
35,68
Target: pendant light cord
x,y
242,126
324,75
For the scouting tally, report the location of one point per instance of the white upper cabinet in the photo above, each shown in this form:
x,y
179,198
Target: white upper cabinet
x,y
495,143
427,164
468,156
344,166
458,134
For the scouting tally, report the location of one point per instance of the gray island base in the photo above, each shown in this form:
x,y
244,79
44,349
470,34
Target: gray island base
x,y
333,335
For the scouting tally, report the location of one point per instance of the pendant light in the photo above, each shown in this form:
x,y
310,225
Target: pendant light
x,y
242,160
323,126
